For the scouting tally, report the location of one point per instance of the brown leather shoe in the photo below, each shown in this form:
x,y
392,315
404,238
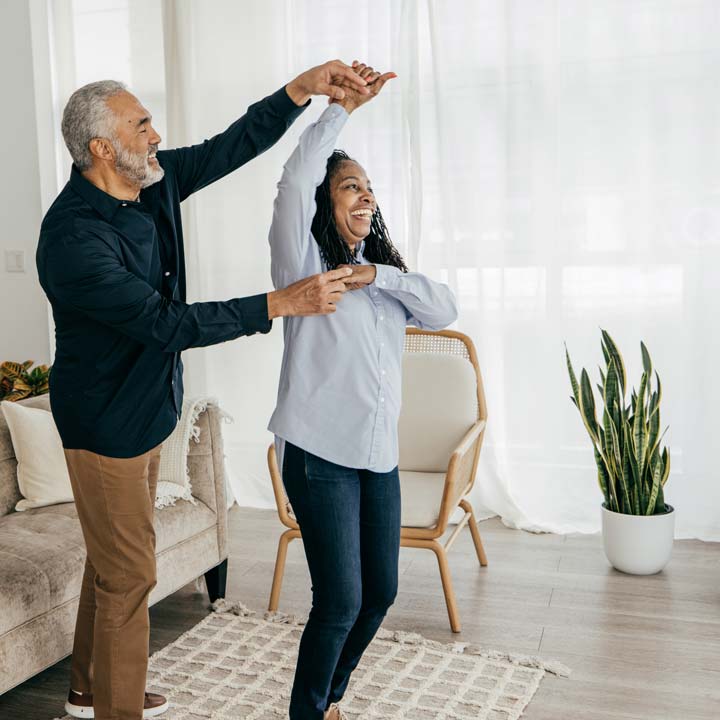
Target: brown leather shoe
x,y
80,705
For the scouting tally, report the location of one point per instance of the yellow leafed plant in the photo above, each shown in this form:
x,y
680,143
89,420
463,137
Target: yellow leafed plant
x,y
18,381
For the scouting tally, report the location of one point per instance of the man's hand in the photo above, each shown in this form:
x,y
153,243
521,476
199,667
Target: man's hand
x,y
325,80
315,295
354,99
362,275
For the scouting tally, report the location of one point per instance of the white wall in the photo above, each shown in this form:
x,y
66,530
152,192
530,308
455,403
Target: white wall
x,y
24,333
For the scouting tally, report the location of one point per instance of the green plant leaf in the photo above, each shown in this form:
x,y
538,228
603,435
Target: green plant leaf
x,y
666,466
617,461
653,426
660,506
609,447
611,394
640,434
617,357
626,477
656,477
653,404
647,362
573,379
603,477
587,406
606,352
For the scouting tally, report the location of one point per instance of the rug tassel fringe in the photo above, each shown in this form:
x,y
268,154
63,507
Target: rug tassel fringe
x,y
231,607
406,638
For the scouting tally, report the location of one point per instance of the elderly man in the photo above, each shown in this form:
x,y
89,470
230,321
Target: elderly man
x,y
110,259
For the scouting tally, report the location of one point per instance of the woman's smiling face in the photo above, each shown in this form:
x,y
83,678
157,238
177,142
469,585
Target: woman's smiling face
x,y
353,202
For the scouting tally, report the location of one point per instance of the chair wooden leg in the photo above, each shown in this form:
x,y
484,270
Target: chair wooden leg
x,y
475,532
453,614
285,539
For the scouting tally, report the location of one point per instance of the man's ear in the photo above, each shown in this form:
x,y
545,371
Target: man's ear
x,y
102,149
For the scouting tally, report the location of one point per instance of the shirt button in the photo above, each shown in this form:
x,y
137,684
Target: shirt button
x,y
124,204
167,274
382,371
382,317
382,399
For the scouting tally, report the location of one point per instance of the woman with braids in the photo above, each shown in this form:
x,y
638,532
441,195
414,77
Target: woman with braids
x,y
339,399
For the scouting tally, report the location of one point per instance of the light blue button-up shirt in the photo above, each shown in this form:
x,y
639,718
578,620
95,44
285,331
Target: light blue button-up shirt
x,y
340,382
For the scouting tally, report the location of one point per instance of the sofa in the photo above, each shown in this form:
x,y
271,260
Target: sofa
x,y
42,554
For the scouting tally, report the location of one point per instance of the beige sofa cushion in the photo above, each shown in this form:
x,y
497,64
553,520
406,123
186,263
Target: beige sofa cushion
x,y
439,406
42,554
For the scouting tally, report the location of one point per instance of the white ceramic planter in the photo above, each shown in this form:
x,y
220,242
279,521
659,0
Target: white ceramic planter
x,y
638,544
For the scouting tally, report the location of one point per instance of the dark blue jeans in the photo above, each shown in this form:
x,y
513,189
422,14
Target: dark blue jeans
x,y
350,524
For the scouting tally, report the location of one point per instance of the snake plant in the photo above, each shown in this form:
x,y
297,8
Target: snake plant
x,y
632,467
17,381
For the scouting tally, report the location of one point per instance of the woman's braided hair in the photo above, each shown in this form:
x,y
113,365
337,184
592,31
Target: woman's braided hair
x,y
334,250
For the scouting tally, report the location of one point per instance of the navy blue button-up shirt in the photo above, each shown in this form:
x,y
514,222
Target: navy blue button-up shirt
x,y
114,273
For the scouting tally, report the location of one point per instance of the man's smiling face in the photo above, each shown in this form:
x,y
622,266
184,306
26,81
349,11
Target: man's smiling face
x,y
135,142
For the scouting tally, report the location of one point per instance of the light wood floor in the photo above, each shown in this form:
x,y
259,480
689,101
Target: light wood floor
x,y
641,648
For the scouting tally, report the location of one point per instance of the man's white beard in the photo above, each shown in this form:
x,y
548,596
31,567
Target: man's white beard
x,y
136,168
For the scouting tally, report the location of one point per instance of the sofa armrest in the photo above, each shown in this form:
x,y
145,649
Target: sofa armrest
x,y
206,463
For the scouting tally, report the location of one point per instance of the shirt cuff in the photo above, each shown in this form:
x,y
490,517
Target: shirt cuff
x,y
283,105
386,276
334,111
255,314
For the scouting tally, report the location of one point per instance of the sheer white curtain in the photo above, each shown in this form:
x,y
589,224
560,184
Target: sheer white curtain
x,y
555,161
81,41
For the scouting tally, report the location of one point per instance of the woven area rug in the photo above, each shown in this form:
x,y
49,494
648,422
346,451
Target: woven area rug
x,y
234,664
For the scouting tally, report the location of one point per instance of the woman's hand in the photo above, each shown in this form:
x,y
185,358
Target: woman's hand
x,y
354,99
362,275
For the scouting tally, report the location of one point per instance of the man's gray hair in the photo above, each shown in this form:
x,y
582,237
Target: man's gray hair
x,y
86,116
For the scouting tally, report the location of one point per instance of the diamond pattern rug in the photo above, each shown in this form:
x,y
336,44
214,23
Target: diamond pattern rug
x,y
236,665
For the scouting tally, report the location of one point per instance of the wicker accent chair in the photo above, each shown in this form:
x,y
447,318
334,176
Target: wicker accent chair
x,y
441,430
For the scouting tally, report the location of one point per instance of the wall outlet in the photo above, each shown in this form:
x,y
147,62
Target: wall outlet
x,y
15,261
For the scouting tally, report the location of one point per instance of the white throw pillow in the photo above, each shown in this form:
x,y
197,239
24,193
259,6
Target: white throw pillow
x,y
42,472
174,473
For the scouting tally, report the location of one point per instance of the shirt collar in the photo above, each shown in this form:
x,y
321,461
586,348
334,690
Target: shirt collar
x,y
105,204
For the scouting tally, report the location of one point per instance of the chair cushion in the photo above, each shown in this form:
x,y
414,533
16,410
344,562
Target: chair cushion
x,y
421,495
42,554
439,406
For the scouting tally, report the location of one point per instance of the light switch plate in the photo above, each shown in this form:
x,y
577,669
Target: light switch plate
x,y
15,261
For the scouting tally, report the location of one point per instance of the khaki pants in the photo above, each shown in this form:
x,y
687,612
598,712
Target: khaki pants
x,y
115,498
